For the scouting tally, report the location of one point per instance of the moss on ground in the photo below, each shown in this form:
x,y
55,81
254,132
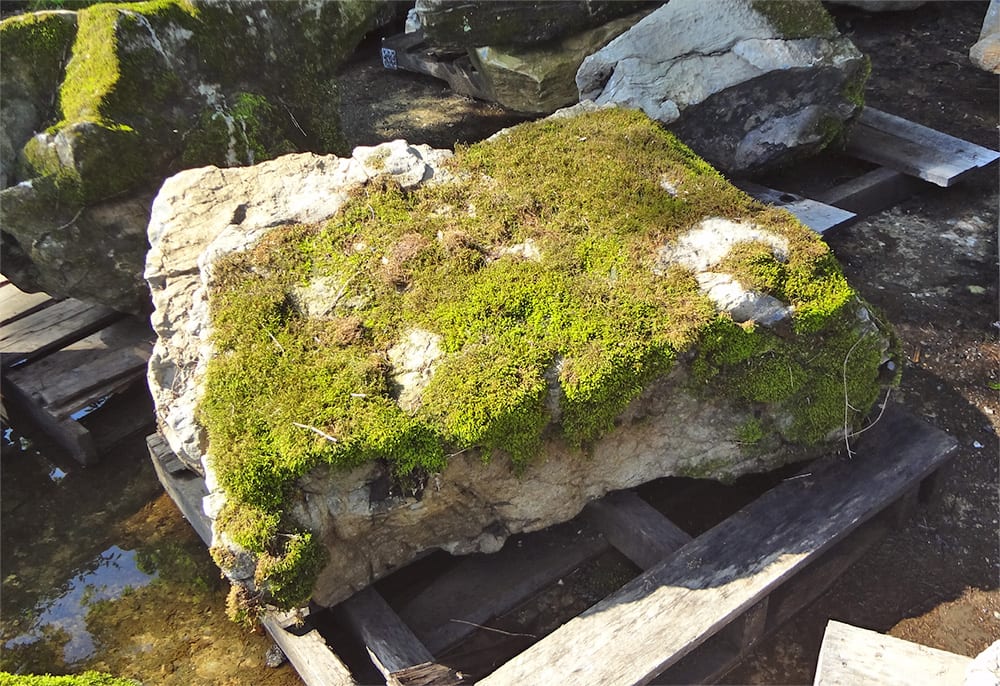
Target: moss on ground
x,y
88,678
589,319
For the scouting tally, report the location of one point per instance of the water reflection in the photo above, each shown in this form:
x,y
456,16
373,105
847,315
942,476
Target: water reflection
x,y
115,573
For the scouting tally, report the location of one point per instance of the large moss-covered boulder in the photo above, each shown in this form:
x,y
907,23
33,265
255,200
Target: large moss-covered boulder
x,y
748,84
406,350
150,88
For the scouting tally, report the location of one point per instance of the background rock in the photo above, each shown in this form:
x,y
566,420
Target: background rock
x,y
747,85
150,89
985,54
460,24
542,78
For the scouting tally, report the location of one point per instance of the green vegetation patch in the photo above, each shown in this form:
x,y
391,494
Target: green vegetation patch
x,y
797,18
535,273
88,678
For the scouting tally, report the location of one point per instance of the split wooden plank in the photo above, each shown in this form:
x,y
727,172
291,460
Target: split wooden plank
x,y
390,643
15,303
850,656
482,587
304,647
914,149
636,528
52,328
818,216
662,615
71,378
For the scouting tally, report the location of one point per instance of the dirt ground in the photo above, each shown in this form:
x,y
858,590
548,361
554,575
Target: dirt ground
x,y
930,264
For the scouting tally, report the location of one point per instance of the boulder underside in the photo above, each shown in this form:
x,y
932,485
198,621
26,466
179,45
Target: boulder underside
x,y
404,350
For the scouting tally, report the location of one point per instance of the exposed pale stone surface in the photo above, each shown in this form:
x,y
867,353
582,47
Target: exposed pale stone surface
x,y
728,82
985,54
985,668
203,213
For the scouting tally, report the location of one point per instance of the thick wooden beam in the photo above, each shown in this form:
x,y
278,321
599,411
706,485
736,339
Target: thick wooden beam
x,y
635,528
315,663
482,587
850,656
391,644
665,613
872,192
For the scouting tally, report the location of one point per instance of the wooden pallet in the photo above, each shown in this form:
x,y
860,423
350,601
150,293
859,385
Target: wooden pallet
x,y
850,655
698,605
61,358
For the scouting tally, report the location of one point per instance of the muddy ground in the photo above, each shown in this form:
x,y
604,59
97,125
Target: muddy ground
x,y
929,263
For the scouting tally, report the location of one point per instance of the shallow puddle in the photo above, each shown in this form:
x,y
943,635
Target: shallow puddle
x,y
100,571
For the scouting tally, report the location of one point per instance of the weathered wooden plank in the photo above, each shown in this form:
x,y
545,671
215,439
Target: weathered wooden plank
x,y
406,52
391,644
635,528
15,303
70,435
850,656
872,192
818,216
51,328
316,664
427,674
304,647
481,587
185,488
914,149
662,615
82,372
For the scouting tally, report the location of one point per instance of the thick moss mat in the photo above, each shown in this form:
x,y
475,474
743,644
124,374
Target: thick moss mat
x,y
534,273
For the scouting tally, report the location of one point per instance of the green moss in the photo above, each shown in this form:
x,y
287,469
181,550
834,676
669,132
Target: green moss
x,y
248,132
590,321
797,18
750,432
88,678
854,88
287,576
44,39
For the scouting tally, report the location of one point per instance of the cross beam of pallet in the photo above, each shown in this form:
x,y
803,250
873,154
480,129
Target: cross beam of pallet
x,y
668,611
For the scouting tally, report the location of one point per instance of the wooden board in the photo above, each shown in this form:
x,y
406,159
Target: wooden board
x,y
481,586
184,487
913,149
71,378
635,528
51,328
390,643
818,216
851,656
15,303
662,615
406,51
872,192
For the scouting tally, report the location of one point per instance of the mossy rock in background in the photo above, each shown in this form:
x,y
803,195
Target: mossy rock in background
x,y
146,89
574,306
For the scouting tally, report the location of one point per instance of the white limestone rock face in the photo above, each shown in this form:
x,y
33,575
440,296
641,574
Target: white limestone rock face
x,y
204,213
744,88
